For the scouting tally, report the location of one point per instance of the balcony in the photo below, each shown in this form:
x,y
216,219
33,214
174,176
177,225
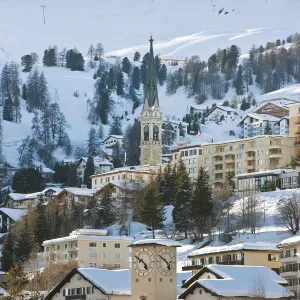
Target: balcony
x,y
192,267
219,171
275,147
229,160
288,273
218,162
72,249
289,259
250,157
232,170
297,143
231,262
297,123
275,155
251,167
297,133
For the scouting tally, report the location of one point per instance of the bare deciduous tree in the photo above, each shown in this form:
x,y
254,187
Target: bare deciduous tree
x,y
257,290
288,212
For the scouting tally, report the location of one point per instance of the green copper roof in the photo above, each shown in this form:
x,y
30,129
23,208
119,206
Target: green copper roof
x,y
151,93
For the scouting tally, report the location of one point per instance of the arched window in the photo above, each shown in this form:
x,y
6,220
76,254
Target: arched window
x,y
146,133
155,133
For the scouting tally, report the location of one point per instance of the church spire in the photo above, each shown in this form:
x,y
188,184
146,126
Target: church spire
x,y
151,94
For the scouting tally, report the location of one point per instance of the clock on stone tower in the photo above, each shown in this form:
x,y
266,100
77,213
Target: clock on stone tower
x,y
154,270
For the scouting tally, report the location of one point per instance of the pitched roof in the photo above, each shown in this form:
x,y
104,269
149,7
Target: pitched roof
x,y
126,185
241,246
232,282
14,213
265,173
80,191
290,241
21,197
222,107
163,242
116,136
116,282
98,161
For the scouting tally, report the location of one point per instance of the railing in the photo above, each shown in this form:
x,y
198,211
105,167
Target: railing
x,y
297,143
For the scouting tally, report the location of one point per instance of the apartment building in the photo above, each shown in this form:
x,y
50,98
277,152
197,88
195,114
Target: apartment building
x,y
236,157
90,248
290,262
253,254
295,122
142,174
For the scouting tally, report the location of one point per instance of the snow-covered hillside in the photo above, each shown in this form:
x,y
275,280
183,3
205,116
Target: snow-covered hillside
x,y
180,28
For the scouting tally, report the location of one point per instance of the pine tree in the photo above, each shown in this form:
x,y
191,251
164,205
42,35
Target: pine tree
x,y
101,98
40,227
106,208
136,78
27,63
93,145
120,84
50,57
144,67
151,210
126,65
8,113
162,75
91,52
72,175
7,257
88,172
116,127
117,156
132,143
136,56
111,80
100,132
268,128
99,50
201,203
181,211
239,82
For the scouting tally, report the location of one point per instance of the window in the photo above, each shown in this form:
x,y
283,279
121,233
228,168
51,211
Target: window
x,y
117,246
66,256
66,246
207,160
104,255
104,245
186,153
92,265
117,266
117,255
90,290
155,133
47,249
92,254
175,156
57,247
200,151
239,155
95,181
92,244
273,257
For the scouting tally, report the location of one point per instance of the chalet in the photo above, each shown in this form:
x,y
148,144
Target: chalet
x,y
273,109
255,254
73,194
91,283
101,166
258,181
201,108
235,282
8,216
112,140
219,110
121,189
255,124
24,201
175,125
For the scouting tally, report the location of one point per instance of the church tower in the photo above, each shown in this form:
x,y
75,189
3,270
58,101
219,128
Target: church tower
x,y
151,118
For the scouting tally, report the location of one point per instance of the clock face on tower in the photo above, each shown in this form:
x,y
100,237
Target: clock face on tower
x,y
143,262
166,262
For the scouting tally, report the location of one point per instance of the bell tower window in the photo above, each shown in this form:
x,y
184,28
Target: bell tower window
x,y
155,133
146,133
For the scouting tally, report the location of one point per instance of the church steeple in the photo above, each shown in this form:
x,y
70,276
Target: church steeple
x,y
151,94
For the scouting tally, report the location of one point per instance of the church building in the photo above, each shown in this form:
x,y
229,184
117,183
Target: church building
x,y
151,118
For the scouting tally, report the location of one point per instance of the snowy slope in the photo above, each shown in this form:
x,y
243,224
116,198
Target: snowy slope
x,y
180,29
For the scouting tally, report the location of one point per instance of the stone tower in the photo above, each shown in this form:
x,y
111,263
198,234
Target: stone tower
x,y
151,118
154,270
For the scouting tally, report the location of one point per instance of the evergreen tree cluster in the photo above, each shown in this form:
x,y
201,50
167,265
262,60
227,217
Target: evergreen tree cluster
x,y
66,174
10,92
74,60
54,220
50,57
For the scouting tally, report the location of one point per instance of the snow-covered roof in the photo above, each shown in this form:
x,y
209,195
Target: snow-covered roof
x,y
89,231
14,213
4,293
21,197
80,191
222,107
47,170
88,237
265,173
241,281
263,117
123,169
290,241
241,246
284,118
162,242
118,137
98,161
132,185
282,105
177,122
116,282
